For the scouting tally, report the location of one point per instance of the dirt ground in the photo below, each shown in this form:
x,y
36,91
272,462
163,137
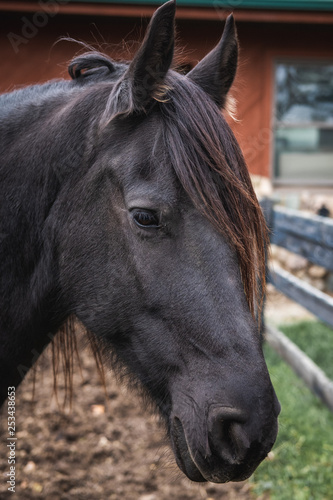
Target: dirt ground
x,y
96,451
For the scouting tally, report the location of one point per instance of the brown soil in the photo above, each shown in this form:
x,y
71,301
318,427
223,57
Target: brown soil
x,y
99,450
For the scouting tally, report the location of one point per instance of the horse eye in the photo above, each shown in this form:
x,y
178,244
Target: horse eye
x,y
146,218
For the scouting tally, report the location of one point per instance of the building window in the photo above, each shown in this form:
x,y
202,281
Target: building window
x,y
303,123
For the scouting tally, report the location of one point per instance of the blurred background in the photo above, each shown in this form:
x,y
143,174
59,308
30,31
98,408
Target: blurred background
x,y
283,120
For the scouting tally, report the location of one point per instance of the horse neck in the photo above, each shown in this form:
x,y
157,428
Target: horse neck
x,y
41,143
37,151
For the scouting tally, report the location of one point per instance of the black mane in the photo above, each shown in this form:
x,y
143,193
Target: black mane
x,y
84,70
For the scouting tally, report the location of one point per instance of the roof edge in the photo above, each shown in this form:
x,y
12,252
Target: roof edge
x,y
217,13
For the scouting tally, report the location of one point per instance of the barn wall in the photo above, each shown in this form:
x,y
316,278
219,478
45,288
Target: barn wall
x,y
262,45
35,57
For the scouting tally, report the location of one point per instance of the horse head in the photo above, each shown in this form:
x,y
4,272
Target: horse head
x,y
161,253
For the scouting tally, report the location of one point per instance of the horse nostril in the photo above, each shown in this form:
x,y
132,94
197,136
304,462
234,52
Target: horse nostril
x,y
226,433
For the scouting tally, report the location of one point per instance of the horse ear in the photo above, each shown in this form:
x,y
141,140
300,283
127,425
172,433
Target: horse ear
x,y
216,71
144,77
153,59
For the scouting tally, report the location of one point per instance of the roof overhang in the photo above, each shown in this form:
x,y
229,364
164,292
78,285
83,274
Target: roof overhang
x,y
269,11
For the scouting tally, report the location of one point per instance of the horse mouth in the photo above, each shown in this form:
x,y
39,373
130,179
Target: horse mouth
x,y
182,453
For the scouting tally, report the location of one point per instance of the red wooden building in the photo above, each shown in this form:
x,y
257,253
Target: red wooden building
x,y
284,86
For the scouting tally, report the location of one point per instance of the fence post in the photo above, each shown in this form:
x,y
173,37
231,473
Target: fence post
x,y
267,205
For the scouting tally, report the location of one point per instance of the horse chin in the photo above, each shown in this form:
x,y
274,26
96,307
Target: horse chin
x,y
183,455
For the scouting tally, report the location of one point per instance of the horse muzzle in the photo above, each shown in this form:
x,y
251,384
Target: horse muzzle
x,y
227,445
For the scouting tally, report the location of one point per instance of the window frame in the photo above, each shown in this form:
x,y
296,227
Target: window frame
x,y
278,181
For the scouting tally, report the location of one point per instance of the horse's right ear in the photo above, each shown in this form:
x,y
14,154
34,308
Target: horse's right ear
x,y
216,71
144,78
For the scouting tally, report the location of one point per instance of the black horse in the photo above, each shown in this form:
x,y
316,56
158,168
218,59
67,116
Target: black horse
x,y
126,203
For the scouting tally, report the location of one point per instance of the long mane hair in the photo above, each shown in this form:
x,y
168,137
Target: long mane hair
x,y
211,168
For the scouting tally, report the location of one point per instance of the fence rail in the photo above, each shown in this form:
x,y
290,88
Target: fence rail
x,y
310,236
304,234
302,365
318,303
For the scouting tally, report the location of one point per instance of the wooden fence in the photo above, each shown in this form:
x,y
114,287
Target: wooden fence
x,y
310,236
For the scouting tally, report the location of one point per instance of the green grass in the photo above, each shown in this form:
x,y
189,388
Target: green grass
x,y
301,467
316,340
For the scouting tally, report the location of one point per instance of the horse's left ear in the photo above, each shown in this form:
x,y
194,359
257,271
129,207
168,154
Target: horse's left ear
x,y
144,78
216,71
